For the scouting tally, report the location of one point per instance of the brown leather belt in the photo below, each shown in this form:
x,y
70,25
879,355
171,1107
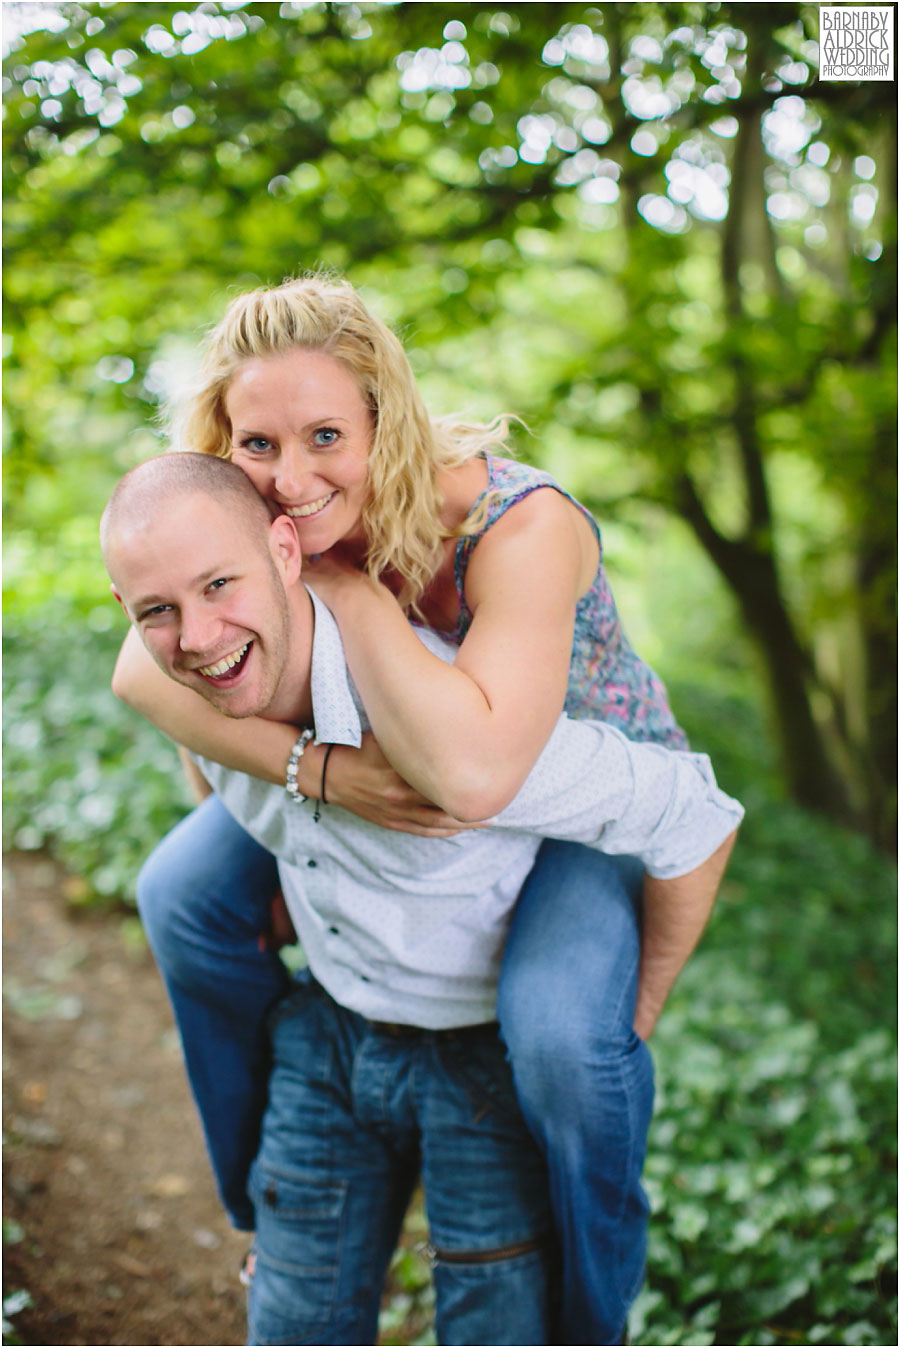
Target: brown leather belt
x,y
407,1031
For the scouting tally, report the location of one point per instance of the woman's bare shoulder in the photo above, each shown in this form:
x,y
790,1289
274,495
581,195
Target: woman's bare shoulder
x,y
460,488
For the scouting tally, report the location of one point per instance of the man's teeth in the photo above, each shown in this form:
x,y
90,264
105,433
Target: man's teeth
x,y
216,671
312,508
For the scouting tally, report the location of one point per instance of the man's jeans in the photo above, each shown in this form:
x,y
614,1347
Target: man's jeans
x,y
354,1113
566,1003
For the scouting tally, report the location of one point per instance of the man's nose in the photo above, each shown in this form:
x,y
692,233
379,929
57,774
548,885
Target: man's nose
x,y
200,630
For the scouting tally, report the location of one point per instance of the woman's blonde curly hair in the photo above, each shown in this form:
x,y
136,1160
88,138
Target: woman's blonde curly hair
x,y
402,518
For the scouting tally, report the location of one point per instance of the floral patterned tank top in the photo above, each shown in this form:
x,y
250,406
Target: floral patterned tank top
x,y
607,680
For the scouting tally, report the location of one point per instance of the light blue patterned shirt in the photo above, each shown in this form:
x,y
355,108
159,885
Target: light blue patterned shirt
x,y
411,929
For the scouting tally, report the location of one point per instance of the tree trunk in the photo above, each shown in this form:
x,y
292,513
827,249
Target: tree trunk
x,y
752,577
749,564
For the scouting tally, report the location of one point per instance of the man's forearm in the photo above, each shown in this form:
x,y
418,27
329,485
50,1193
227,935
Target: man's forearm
x,y
675,914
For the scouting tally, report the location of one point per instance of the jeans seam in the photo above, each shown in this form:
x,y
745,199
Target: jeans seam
x,y
627,1293
626,987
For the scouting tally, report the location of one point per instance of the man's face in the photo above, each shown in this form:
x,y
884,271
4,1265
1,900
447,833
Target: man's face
x,y
208,603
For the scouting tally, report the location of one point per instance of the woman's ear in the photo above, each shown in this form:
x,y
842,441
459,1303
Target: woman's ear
x,y
284,546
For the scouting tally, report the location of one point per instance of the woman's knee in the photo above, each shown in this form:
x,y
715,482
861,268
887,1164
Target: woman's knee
x,y
569,979
206,880
163,899
577,1088
568,982
560,1049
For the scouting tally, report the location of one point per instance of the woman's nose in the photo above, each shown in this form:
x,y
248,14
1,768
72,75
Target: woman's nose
x,y
292,475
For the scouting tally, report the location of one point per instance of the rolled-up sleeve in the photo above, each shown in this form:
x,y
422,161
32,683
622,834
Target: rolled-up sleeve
x,y
594,786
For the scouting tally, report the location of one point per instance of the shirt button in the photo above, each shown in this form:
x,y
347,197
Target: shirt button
x,y
312,863
335,931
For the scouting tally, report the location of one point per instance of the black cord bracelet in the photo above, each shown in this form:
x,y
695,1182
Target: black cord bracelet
x,y
324,768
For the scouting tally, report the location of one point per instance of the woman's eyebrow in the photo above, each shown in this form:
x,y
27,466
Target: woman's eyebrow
x,y
305,426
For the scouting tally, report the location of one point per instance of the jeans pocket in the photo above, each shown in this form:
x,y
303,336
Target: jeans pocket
x,y
298,1252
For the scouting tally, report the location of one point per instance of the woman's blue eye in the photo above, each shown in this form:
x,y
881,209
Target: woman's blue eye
x,y
326,436
256,444
217,584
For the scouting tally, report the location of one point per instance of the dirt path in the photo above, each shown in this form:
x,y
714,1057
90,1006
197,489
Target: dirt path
x,y
117,1232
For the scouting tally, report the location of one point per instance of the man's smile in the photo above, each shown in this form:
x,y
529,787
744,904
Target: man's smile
x,y
228,665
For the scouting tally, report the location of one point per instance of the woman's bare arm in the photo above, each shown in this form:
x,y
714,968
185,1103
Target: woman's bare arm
x,y
360,780
466,735
200,787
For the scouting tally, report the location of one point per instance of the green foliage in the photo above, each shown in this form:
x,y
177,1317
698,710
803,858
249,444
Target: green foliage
x,y
772,1161
13,1231
13,1304
409,1313
646,228
83,776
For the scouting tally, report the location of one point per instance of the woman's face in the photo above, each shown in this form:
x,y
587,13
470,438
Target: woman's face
x,y
301,431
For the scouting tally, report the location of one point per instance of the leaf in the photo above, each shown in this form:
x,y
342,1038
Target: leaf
x,y
13,1233
16,1302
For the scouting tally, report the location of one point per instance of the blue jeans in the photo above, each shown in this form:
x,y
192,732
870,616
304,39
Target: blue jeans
x,y
566,1002
354,1114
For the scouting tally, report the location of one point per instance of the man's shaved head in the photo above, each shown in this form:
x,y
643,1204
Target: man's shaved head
x,y
211,583
150,487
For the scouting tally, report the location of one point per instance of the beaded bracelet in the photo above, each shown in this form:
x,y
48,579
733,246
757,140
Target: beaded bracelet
x,y
290,779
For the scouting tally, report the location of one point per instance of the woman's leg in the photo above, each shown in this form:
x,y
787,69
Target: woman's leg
x,y
584,1079
204,897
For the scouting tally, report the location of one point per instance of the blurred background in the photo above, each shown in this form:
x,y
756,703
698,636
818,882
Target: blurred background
x,y
650,231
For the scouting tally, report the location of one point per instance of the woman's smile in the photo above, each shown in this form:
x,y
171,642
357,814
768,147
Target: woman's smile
x,y
313,508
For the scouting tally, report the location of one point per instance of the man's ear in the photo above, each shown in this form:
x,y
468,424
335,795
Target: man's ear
x,y
284,546
119,600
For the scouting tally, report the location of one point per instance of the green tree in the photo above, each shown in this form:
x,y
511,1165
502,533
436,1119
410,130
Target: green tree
x,y
670,244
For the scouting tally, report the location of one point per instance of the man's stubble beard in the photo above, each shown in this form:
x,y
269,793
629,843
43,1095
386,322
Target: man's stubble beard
x,y
275,651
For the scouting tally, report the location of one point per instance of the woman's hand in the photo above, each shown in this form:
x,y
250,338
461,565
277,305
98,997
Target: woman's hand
x,y
363,782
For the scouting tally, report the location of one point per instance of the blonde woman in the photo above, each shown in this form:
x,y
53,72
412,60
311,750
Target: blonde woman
x,y
406,517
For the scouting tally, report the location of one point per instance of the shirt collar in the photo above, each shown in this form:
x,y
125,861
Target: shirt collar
x,y
334,711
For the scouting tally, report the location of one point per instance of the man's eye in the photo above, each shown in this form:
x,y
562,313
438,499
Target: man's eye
x,y
217,584
155,611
